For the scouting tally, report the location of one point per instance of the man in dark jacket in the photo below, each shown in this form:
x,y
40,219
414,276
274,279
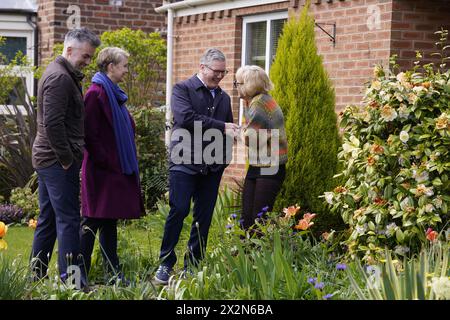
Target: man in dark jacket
x,y
57,155
200,109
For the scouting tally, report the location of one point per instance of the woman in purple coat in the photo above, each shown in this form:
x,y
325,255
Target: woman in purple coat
x,y
110,187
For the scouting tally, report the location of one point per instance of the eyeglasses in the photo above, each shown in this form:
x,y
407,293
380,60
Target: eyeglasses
x,y
236,84
218,72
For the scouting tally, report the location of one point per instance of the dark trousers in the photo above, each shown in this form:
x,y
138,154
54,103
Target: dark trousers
x,y
59,218
183,187
257,194
107,238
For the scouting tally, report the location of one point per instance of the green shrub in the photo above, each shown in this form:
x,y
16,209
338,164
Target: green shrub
x,y
306,95
150,128
27,200
396,161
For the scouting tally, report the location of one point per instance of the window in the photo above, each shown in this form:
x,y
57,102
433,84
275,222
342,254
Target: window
x,y
11,46
260,36
15,41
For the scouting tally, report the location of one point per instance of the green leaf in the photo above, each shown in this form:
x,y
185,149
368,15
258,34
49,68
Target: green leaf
x,y
399,235
378,218
388,192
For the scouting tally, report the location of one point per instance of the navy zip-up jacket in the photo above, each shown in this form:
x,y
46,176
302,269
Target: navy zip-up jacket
x,y
193,102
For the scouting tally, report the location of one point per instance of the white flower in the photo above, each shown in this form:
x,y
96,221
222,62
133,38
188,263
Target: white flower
x,y
329,197
422,190
361,229
429,208
441,287
403,111
390,229
388,113
398,96
412,98
401,77
404,136
418,89
376,85
437,202
404,204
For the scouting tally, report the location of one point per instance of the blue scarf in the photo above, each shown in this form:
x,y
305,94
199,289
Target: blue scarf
x,y
123,130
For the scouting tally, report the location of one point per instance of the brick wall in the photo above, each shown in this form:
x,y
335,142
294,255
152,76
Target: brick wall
x,y
362,40
98,15
413,25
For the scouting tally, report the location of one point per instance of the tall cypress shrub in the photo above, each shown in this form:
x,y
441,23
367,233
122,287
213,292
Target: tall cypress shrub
x,y
304,91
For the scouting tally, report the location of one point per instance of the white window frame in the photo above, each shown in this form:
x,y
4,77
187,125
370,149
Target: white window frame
x,y
16,26
268,18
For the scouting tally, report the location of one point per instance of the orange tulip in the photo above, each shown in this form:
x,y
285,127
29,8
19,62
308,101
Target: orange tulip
x,y
303,224
291,211
309,216
3,229
432,235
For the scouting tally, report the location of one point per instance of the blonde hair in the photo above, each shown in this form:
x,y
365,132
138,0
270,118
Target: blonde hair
x,y
109,55
254,81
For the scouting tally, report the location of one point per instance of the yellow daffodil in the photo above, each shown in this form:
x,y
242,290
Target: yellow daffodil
x,y
3,245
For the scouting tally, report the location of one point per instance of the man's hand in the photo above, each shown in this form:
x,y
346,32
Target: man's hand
x,y
232,129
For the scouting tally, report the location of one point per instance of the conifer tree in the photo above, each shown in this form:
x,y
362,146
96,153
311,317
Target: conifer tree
x,y
306,95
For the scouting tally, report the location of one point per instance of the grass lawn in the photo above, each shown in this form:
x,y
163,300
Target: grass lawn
x,y
20,239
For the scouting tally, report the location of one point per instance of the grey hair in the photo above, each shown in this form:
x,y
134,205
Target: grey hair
x,y
109,55
82,35
210,55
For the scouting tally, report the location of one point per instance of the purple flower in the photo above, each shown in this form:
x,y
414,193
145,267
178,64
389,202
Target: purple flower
x,y
319,285
265,209
328,296
312,280
229,226
233,216
341,266
241,222
259,215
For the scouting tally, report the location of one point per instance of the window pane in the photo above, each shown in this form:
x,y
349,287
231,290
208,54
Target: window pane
x,y
256,44
275,31
11,46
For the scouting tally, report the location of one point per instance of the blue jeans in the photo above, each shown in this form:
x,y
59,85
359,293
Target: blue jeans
x,y
59,218
183,188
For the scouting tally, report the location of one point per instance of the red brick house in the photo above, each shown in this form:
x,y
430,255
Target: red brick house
x,y
34,26
351,35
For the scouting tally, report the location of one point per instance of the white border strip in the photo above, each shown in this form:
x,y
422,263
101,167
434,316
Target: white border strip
x,y
190,7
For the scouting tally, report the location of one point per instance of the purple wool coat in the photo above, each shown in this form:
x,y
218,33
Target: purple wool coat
x,y
105,191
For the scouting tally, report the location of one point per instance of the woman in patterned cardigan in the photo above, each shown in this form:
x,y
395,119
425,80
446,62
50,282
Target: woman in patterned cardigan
x,y
265,137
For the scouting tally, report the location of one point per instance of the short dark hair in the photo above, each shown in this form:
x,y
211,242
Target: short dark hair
x,y
82,35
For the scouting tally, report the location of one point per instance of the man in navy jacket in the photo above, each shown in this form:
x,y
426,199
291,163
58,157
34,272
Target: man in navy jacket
x,y
200,150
